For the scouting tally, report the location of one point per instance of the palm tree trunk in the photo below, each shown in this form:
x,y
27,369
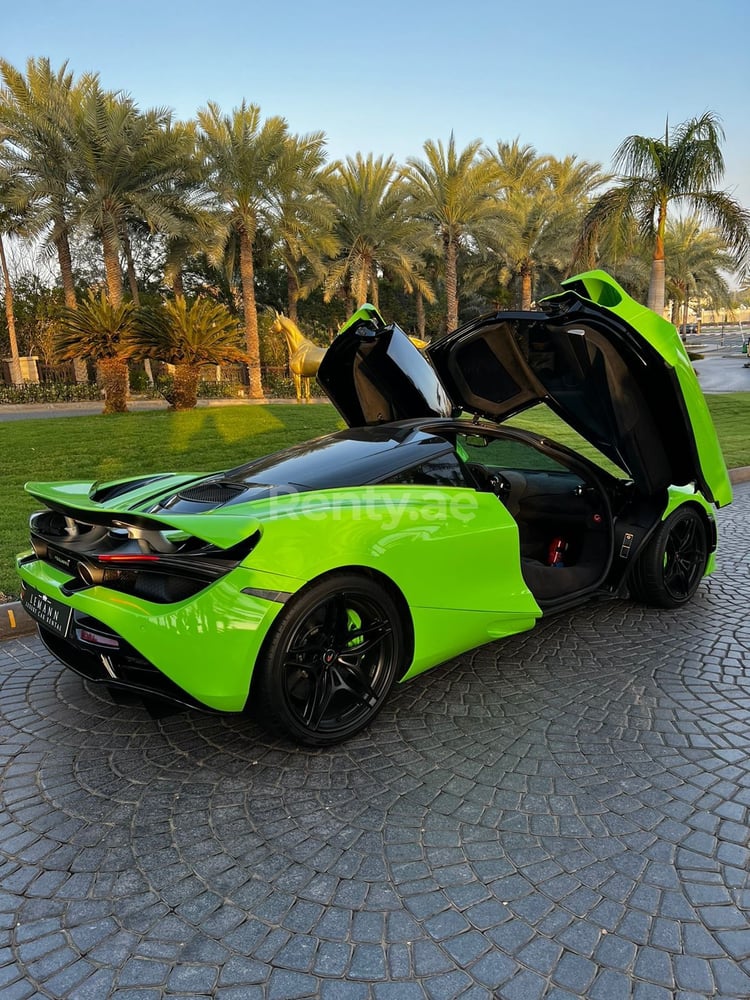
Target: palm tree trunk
x,y
526,286
451,283
114,378
15,363
185,392
657,283
130,265
419,305
112,269
135,295
65,260
674,317
292,296
360,287
252,341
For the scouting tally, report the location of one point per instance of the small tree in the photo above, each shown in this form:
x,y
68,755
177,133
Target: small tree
x,y
102,332
188,336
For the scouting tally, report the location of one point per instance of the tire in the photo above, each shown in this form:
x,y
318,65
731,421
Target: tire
x,y
331,659
674,560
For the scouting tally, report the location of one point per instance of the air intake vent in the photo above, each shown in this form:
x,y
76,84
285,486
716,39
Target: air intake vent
x,y
211,493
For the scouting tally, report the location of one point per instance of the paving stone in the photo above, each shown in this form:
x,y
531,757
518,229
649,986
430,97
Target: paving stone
x,y
693,974
654,966
550,816
611,985
342,990
524,986
574,973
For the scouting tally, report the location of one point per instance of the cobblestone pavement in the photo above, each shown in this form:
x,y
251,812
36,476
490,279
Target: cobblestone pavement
x,y
563,814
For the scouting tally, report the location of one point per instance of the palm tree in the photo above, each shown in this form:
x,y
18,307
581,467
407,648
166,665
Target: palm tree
x,y
457,194
302,217
375,229
187,336
189,198
37,118
685,166
127,165
697,260
540,210
243,157
99,330
11,193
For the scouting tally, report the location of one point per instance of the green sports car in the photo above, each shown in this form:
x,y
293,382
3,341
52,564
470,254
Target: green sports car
x,y
304,584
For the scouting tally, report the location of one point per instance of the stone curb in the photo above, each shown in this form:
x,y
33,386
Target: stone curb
x,y
15,622
149,404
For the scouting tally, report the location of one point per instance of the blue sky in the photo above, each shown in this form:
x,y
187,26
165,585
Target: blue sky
x,y
567,77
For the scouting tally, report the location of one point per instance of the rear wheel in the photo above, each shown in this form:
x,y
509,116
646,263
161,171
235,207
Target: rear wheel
x,y
331,660
673,563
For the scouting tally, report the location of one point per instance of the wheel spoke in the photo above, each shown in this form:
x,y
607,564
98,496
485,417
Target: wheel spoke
x,y
354,684
684,556
310,644
321,691
676,577
371,636
335,621
302,660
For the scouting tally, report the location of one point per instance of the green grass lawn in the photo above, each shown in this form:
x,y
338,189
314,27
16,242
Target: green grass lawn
x,y
206,439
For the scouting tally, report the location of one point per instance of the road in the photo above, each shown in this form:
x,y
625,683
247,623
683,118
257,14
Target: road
x,y
717,373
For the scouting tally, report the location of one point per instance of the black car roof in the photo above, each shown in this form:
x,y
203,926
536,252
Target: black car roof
x,y
352,457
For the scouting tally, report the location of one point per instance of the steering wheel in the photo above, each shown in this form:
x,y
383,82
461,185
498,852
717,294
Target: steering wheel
x,y
499,485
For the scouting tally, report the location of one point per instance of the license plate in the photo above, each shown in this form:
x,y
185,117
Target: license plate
x,y
52,614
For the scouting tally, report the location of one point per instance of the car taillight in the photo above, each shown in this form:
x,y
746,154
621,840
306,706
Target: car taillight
x,y
97,638
130,557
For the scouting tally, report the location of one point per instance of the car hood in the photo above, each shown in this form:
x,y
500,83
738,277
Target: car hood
x,y
615,371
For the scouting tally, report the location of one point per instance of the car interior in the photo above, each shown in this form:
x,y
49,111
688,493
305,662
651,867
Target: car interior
x,y
564,522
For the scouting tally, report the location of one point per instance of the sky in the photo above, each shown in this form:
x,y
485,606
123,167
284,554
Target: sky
x,y
567,77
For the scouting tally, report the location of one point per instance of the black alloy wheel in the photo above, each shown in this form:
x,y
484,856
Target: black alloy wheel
x,y
331,660
673,563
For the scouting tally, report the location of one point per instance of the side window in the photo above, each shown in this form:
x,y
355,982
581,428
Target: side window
x,y
441,471
499,454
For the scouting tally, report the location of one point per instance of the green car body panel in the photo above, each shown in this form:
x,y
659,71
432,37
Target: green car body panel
x,y
604,291
371,529
208,659
452,559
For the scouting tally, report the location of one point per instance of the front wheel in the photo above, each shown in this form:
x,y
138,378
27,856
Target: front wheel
x,y
674,560
332,657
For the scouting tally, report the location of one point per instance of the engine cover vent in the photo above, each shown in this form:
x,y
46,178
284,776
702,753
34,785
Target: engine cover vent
x,y
210,493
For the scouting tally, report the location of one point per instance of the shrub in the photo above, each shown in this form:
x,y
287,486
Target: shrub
x,y
49,392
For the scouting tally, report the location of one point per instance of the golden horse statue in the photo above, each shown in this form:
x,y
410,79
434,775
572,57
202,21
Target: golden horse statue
x,y
304,355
